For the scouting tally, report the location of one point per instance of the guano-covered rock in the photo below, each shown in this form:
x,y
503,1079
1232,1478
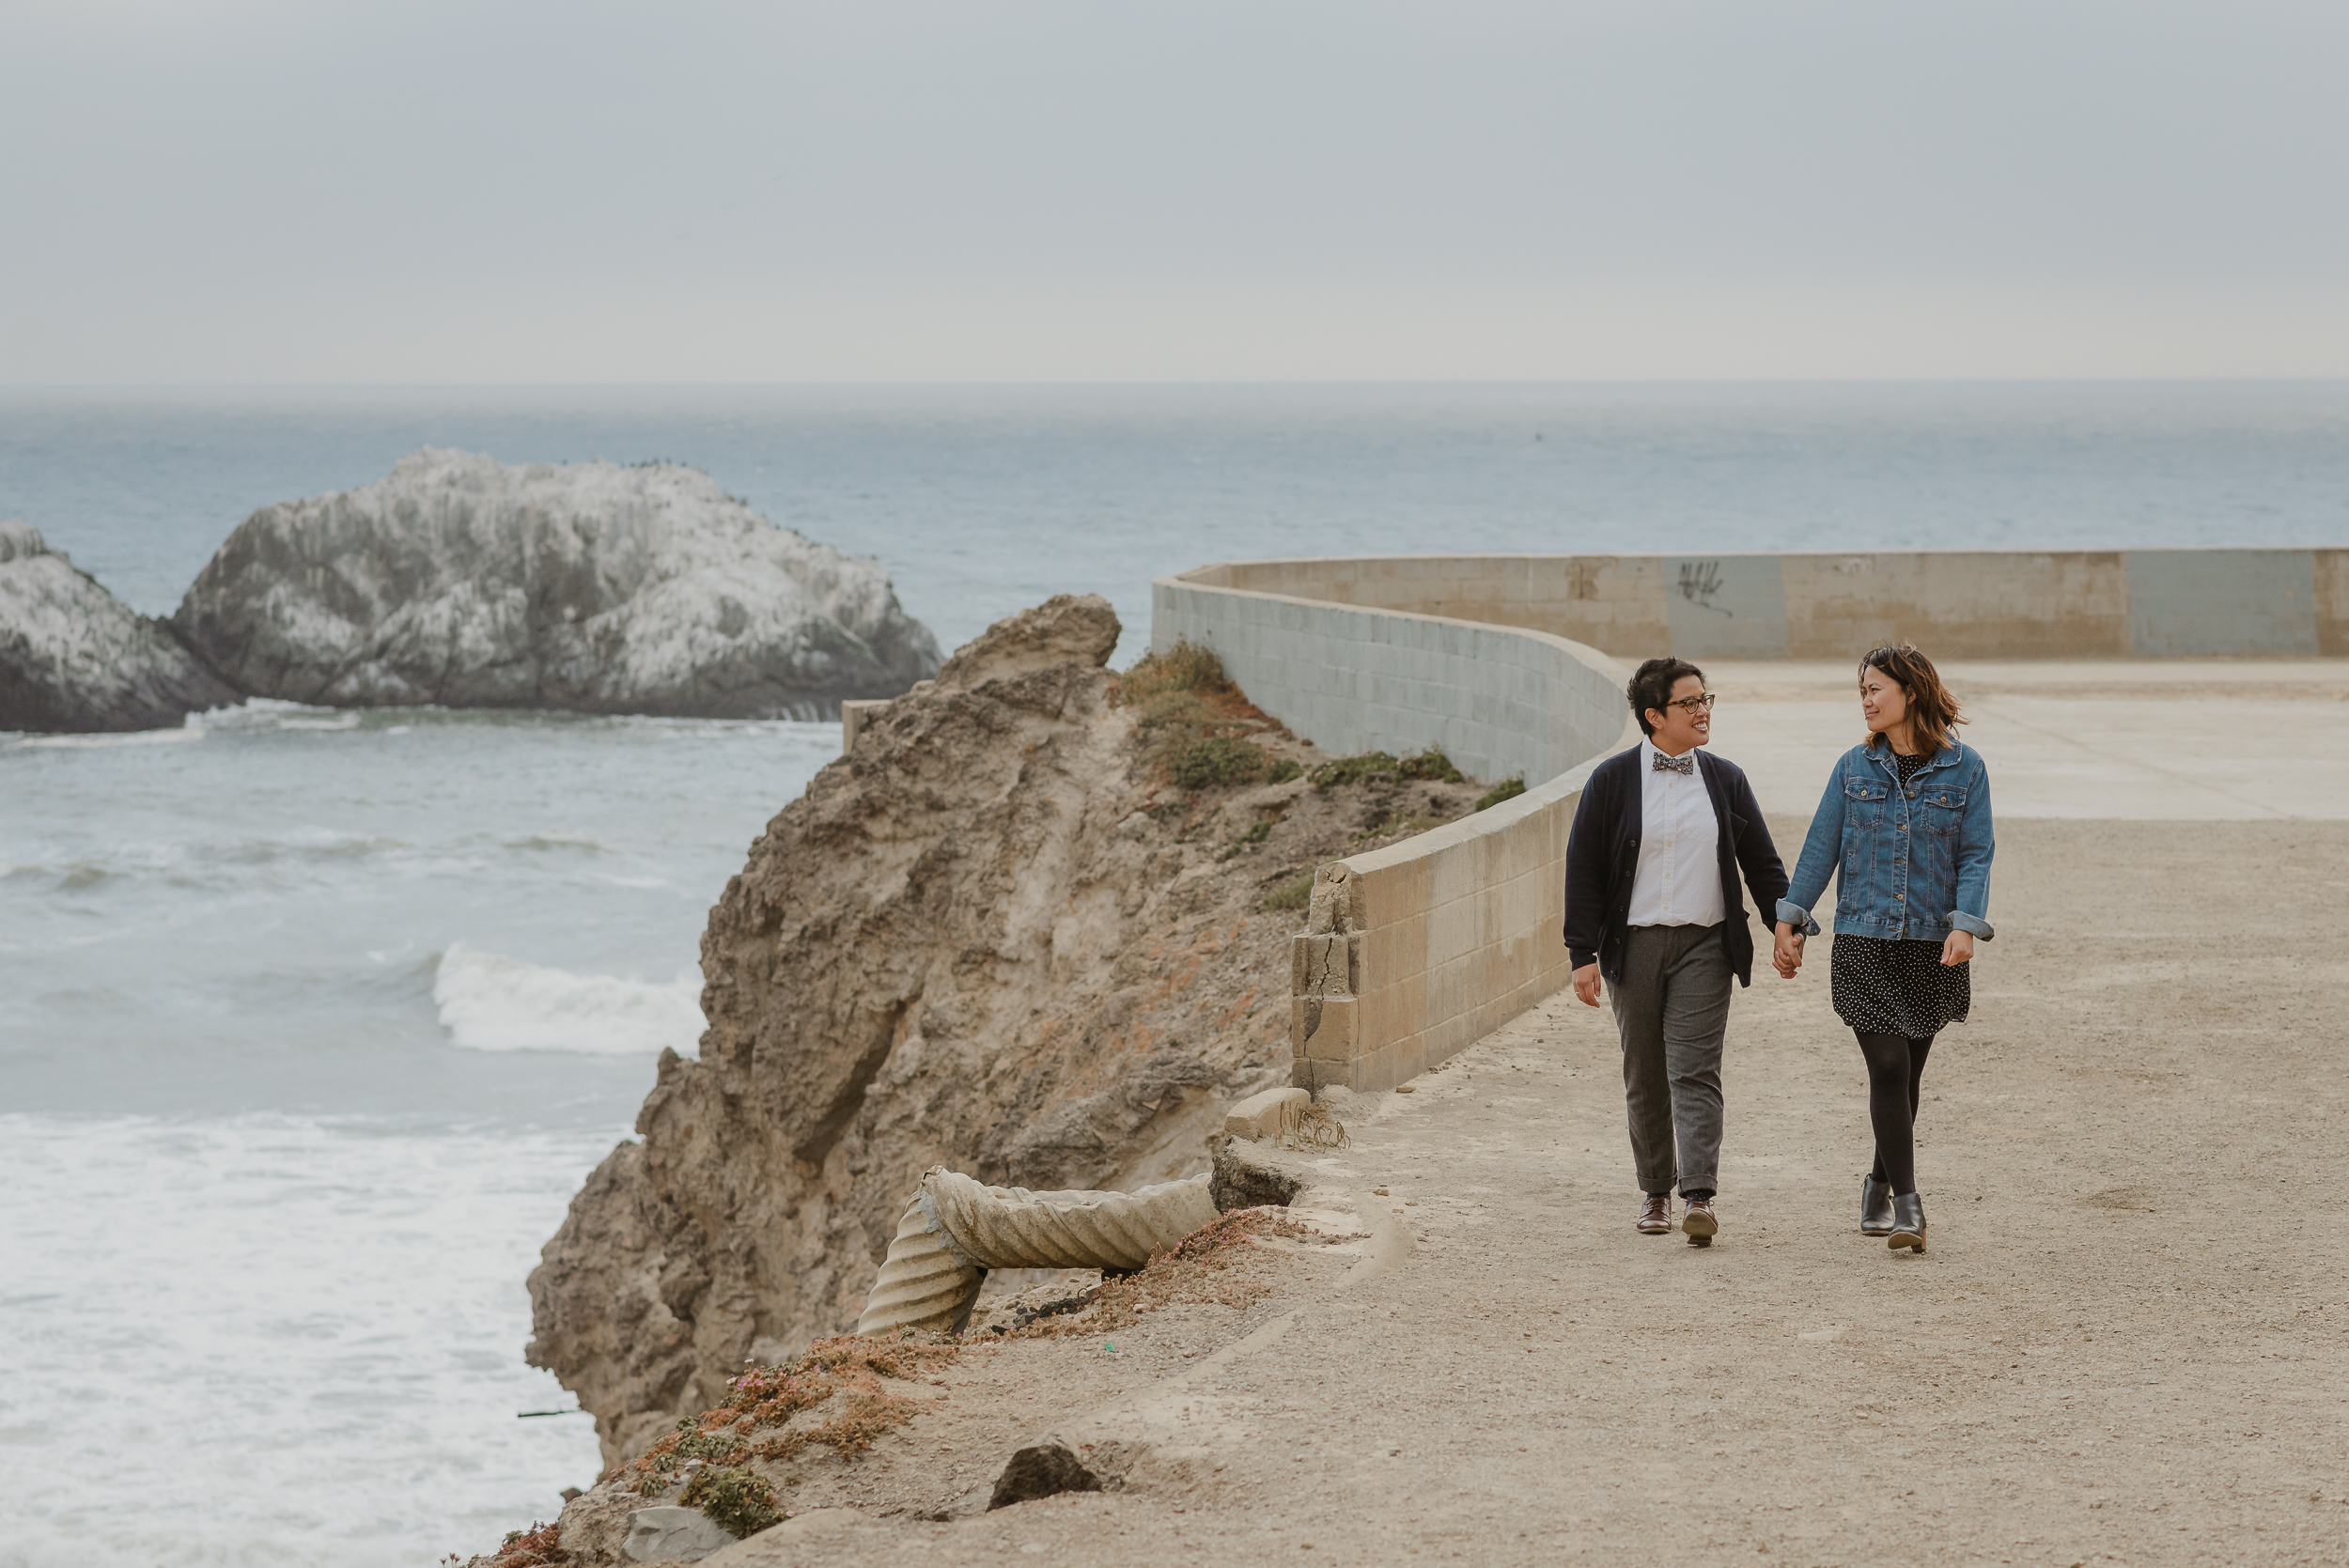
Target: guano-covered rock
x,y
592,586
74,657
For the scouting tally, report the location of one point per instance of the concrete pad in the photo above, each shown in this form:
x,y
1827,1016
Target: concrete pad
x,y
2152,740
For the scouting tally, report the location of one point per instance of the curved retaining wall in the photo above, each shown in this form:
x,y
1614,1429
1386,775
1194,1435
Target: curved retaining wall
x,y
1413,952
1955,604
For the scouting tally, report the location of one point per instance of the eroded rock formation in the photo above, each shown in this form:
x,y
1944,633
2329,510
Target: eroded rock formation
x,y
74,657
991,938
589,587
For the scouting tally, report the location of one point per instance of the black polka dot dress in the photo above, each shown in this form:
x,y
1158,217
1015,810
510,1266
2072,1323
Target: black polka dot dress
x,y
1884,986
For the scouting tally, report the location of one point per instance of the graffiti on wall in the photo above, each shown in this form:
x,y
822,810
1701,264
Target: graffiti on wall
x,y
1701,586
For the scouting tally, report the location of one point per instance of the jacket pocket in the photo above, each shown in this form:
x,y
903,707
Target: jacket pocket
x,y
1941,810
1863,801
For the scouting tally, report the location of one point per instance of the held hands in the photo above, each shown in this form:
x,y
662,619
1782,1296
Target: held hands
x,y
1786,954
1958,950
1586,984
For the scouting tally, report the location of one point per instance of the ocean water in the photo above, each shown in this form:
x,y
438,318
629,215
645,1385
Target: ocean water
x,y
312,1021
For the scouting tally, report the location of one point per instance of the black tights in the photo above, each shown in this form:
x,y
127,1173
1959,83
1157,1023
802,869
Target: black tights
x,y
1896,1066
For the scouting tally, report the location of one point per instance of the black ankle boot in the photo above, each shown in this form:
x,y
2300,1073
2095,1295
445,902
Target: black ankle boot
x,y
1908,1222
1876,1206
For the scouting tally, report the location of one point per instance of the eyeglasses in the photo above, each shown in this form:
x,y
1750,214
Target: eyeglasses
x,y
1694,705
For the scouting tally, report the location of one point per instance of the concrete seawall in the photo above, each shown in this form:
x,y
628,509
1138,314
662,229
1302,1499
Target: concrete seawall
x,y
1957,604
1414,952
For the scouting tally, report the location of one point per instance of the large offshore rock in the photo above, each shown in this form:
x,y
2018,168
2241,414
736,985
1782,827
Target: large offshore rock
x,y
969,943
590,586
74,657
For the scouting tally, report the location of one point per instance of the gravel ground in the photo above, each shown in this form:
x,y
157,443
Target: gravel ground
x,y
2123,1344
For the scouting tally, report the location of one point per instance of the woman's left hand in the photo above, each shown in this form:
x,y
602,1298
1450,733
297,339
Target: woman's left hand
x,y
1958,950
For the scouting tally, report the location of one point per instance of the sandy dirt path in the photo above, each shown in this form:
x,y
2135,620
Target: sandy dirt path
x,y
2124,1344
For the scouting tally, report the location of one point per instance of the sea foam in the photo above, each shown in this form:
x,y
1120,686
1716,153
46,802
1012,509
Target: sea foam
x,y
305,1333
488,1001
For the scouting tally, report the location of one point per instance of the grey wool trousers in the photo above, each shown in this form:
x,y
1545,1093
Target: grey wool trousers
x,y
1671,1007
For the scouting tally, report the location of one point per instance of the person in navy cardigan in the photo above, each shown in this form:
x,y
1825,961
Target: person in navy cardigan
x,y
1653,908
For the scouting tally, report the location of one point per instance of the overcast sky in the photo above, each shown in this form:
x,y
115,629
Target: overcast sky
x,y
346,191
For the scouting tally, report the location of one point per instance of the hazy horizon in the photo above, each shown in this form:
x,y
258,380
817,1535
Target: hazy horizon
x,y
512,193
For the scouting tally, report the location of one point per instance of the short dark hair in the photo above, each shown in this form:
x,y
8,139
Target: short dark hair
x,y
1652,686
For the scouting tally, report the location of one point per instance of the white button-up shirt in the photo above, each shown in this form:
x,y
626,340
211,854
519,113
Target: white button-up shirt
x,y
1678,881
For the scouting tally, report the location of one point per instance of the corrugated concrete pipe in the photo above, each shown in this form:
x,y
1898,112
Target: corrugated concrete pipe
x,y
957,1228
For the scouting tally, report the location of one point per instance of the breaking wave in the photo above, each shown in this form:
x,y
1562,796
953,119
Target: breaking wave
x,y
488,1001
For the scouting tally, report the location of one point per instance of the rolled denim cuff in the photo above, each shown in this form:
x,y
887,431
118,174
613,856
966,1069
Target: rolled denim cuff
x,y
1798,917
1973,926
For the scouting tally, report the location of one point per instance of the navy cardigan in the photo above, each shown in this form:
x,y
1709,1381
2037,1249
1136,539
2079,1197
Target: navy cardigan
x,y
1603,853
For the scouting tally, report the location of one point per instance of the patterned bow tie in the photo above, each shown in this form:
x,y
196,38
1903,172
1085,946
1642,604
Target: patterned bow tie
x,y
1685,763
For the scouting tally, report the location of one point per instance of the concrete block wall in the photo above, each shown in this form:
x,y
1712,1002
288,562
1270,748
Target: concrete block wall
x,y
1414,952
1955,604
1501,702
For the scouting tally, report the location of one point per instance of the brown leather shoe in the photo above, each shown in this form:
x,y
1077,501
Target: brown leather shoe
x,y
1698,1220
1656,1218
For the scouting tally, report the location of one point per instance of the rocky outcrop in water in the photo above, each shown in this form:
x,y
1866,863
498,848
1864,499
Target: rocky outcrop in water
x,y
991,937
74,657
590,586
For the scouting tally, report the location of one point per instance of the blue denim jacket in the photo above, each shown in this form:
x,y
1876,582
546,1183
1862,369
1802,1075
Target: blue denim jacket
x,y
1909,863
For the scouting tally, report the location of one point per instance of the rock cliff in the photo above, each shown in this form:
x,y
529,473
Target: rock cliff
x,y
74,657
591,587
995,935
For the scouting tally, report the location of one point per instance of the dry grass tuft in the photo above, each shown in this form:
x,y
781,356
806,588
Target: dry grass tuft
x,y
535,1547
1187,669
1295,893
846,1368
1200,720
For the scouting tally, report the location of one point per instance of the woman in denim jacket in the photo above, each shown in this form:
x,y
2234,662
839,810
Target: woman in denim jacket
x,y
1905,828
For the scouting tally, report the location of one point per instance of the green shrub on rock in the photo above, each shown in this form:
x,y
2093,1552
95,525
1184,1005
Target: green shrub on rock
x,y
1295,893
1353,770
657,1469
1214,759
737,1500
1430,764
1507,789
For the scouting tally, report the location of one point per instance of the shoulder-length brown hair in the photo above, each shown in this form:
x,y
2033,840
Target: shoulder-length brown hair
x,y
1933,713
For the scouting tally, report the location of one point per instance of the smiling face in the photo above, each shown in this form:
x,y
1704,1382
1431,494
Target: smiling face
x,y
1882,702
1684,725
